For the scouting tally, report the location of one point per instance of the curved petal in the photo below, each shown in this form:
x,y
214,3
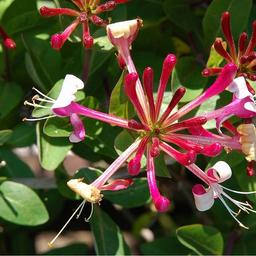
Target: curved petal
x,y
239,88
222,171
204,199
70,86
79,132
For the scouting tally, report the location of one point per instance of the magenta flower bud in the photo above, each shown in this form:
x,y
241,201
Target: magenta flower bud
x,y
162,204
225,23
108,6
252,42
242,42
212,150
9,43
98,21
49,12
57,41
221,51
211,71
189,158
250,169
134,166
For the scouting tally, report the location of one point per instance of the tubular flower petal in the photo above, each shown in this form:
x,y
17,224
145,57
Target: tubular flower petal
x,y
79,133
87,12
243,55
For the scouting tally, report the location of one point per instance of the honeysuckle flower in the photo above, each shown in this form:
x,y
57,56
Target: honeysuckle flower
x,y
87,12
243,56
90,193
65,106
213,177
8,42
156,129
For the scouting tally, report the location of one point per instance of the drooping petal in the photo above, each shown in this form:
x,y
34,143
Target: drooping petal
x,y
79,132
161,203
204,199
221,171
70,86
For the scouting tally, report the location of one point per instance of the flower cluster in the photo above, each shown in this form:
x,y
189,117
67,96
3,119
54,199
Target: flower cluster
x,y
88,11
243,56
159,129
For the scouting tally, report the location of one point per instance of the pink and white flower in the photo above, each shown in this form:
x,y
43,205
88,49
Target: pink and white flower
x,y
214,177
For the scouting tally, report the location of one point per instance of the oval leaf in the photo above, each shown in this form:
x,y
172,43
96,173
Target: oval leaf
x,y
21,205
107,235
203,240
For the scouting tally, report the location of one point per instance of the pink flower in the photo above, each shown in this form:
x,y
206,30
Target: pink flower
x,y
88,11
65,106
205,197
243,56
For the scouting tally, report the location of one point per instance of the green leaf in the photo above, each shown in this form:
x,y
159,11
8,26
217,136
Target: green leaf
x,y
5,136
203,240
215,59
23,135
161,168
239,10
107,235
52,151
246,182
10,96
14,166
179,12
42,63
21,205
168,245
61,180
207,107
101,51
134,196
187,73
119,103
58,127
